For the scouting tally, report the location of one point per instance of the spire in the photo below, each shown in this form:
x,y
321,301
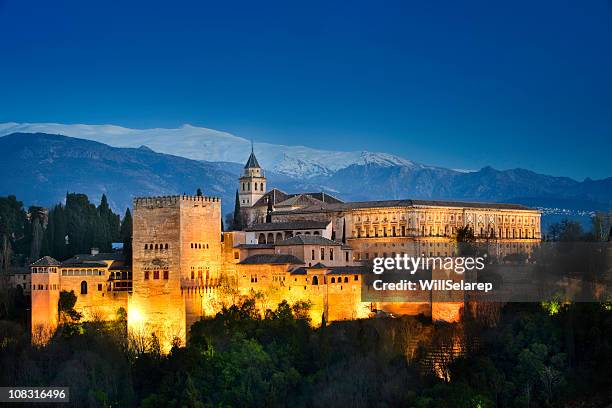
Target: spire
x,y
252,163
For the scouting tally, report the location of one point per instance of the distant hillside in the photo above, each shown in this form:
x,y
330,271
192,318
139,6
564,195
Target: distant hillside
x,y
200,143
488,184
40,168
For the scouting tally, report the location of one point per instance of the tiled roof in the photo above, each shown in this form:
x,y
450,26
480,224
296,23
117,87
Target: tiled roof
x,y
299,271
46,261
303,239
291,225
401,203
108,256
274,259
348,270
275,195
324,197
333,270
318,265
300,200
255,246
119,266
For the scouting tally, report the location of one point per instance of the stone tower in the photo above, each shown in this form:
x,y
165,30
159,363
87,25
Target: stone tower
x,y
176,260
45,298
252,182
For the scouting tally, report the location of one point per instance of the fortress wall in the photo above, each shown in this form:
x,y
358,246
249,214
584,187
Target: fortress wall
x,y
200,245
156,305
98,303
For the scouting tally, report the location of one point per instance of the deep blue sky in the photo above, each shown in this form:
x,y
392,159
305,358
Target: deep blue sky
x,y
459,84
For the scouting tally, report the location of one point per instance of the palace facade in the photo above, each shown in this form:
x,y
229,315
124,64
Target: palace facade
x,y
310,247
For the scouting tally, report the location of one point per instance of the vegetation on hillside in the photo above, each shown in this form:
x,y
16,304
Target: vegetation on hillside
x,y
531,358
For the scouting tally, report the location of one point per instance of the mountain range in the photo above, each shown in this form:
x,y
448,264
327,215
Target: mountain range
x,y
39,168
214,146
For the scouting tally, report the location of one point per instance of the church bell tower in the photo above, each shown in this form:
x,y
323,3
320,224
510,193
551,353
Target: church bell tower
x,y
252,182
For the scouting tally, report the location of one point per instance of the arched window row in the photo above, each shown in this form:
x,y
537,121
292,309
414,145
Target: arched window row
x,y
156,247
199,245
53,286
83,272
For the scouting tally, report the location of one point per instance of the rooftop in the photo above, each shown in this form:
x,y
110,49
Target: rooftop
x,y
46,261
105,256
255,246
332,270
272,259
252,163
330,207
291,225
303,239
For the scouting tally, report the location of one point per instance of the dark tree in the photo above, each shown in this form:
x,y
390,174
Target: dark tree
x,y
13,222
66,303
126,236
567,231
37,222
199,193
465,234
237,224
269,211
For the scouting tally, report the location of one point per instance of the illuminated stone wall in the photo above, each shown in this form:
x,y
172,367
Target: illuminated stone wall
x,y
335,296
176,264
45,298
98,303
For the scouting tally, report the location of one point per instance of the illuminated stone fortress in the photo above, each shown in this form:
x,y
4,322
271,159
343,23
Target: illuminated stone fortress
x,y
295,247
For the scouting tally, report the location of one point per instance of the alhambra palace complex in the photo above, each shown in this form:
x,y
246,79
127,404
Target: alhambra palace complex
x,y
295,247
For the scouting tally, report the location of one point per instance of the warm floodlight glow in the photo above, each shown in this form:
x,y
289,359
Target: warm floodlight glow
x,y
135,317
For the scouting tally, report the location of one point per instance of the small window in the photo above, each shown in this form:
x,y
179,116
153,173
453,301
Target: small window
x,y
155,274
99,287
146,247
83,288
333,280
166,246
166,275
146,275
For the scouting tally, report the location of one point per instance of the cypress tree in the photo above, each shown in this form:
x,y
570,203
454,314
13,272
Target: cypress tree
x,y
269,211
237,225
126,236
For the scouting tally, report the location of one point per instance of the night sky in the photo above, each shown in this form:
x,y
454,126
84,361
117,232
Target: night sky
x,y
459,84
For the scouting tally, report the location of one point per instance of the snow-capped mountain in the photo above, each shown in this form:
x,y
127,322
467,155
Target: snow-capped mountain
x,y
200,143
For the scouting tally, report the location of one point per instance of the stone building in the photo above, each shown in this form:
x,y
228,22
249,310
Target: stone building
x,y
309,247
101,281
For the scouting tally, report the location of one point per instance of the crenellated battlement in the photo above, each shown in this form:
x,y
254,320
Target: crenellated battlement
x,y
173,200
